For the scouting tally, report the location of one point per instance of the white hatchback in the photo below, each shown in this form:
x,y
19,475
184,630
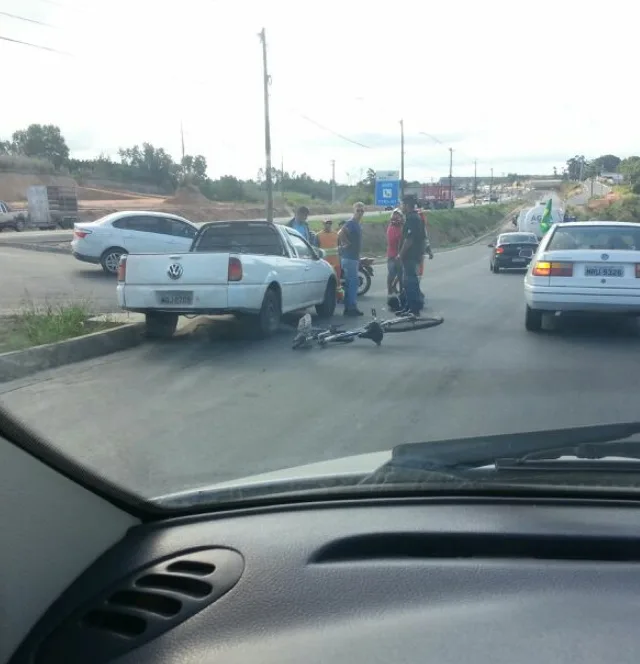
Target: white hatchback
x,y
105,240
584,266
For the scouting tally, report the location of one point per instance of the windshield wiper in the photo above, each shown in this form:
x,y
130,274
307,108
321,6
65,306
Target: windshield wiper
x,y
591,442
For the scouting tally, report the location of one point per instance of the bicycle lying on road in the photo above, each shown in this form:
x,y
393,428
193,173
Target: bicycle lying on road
x,y
374,330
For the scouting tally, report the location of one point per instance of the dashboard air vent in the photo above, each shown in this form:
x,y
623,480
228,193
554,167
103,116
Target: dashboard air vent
x,y
141,607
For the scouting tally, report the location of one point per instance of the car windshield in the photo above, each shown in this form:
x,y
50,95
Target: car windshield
x,y
297,261
517,238
596,237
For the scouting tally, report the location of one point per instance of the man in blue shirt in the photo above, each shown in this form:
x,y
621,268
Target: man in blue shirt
x,y
350,240
300,224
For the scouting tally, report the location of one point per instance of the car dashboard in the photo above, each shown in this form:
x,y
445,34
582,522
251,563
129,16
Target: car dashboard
x,y
402,580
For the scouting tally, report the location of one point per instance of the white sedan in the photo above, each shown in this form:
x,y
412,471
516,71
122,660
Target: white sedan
x,y
585,266
105,240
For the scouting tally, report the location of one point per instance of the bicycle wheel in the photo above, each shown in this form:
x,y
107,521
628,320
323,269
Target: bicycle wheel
x,y
392,326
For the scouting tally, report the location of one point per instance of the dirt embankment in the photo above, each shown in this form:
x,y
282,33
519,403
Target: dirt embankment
x,y
13,186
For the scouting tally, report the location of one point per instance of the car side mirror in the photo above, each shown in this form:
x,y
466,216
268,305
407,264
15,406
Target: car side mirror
x,y
321,253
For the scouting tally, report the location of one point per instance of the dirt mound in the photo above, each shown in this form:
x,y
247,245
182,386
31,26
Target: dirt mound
x,y
13,186
188,195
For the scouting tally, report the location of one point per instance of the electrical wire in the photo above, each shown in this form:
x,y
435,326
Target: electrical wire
x,y
38,46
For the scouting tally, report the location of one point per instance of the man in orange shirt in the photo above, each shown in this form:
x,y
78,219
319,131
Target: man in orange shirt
x,y
328,241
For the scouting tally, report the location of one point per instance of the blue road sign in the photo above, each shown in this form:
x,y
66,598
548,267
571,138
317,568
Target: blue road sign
x,y
387,192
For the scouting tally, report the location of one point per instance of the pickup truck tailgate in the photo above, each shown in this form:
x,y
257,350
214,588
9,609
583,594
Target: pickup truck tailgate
x,y
177,280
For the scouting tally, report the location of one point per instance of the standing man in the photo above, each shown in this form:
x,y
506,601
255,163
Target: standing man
x,y
350,239
394,240
411,253
300,224
328,241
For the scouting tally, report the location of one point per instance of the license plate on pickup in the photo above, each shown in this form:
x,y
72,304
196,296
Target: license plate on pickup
x,y
175,298
603,271
518,260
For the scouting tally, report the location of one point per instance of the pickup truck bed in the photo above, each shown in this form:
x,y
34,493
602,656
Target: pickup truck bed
x,y
251,269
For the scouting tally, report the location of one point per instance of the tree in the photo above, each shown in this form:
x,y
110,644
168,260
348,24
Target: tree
x,y
44,141
607,163
630,168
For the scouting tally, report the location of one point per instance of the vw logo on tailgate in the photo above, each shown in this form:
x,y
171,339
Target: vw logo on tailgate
x,y
174,271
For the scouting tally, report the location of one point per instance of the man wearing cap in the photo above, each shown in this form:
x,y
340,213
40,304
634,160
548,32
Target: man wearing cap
x,y
411,253
328,241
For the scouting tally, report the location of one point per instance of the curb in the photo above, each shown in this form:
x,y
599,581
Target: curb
x,y
20,363
32,246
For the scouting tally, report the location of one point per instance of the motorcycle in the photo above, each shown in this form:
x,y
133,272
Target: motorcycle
x,y
365,274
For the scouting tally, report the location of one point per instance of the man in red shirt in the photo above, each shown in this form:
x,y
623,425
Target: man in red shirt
x,y
394,240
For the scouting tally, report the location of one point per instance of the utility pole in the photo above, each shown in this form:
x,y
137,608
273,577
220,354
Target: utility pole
x,y
182,139
282,177
267,126
491,186
401,159
475,180
333,182
450,177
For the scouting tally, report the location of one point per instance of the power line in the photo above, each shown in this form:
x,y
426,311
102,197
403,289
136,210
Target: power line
x,y
331,131
38,46
28,20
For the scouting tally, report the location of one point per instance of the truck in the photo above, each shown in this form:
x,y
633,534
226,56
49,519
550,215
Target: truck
x,y
529,222
255,270
432,196
52,206
12,219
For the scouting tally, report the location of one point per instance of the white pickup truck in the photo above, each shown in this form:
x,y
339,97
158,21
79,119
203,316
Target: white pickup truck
x,y
253,269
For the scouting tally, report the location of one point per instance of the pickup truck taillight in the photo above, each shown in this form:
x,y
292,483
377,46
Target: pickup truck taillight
x,y
122,268
234,272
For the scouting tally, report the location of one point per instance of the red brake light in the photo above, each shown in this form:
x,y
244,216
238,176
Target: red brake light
x,y
80,233
547,269
637,270
499,250
234,273
122,268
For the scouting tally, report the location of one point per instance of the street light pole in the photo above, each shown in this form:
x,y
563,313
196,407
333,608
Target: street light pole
x,y
333,182
475,180
450,177
401,159
267,126
491,186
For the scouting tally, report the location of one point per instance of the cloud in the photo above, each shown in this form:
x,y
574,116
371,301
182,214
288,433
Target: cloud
x,y
492,98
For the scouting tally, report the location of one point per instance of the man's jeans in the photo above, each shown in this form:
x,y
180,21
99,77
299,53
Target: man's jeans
x,y
350,267
415,299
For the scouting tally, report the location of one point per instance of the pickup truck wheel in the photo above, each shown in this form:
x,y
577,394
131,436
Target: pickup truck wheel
x,y
159,325
110,259
328,306
20,225
268,320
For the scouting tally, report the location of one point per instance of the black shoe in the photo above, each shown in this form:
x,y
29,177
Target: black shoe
x,y
353,312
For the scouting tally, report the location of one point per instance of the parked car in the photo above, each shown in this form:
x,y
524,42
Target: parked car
x,y
512,250
104,241
584,267
255,270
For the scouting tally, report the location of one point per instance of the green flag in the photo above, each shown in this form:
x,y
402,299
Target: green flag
x,y
545,222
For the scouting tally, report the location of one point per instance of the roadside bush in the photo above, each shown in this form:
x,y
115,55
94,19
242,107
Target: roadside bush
x,y
21,164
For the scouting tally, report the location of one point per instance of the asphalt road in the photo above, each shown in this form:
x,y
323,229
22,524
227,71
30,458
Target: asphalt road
x,y
215,406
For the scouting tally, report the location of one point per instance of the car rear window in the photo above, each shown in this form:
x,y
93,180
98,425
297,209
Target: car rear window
x,y
517,238
240,238
595,237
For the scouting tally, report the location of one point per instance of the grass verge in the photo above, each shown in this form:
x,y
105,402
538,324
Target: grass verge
x,y
36,325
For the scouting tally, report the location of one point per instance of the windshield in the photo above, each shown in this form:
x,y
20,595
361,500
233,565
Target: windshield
x,y
596,237
246,312
515,238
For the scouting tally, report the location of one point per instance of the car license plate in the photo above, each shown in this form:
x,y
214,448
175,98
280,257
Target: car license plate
x,y
519,260
175,298
603,271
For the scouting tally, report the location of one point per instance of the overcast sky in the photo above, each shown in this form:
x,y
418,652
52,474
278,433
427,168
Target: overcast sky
x,y
519,86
